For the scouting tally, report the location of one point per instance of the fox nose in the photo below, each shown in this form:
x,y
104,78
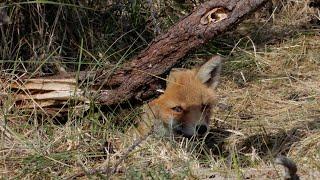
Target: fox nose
x,y
201,129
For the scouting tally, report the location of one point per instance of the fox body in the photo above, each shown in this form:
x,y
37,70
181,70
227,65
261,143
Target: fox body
x,y
184,108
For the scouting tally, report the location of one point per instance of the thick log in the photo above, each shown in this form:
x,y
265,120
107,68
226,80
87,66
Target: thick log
x,y
134,79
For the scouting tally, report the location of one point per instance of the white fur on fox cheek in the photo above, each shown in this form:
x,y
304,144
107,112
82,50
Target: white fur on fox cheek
x,y
172,123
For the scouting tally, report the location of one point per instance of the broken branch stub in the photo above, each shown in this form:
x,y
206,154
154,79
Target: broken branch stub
x,y
136,79
213,16
43,93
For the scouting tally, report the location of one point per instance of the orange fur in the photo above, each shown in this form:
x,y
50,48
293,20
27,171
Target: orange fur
x,y
185,106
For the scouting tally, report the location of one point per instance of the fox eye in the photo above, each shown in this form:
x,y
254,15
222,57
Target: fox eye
x,y
177,109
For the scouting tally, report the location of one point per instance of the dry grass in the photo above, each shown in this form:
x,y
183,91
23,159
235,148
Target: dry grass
x,y
269,105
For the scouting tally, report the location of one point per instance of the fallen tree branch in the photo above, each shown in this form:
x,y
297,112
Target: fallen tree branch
x,y
135,80
139,78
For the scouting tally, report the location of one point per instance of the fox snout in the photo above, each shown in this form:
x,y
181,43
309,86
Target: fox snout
x,y
198,130
194,124
201,129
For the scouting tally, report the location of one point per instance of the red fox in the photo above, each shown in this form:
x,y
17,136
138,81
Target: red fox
x,y
184,108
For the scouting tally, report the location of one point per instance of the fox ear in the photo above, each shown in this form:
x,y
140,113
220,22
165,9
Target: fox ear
x,y
209,73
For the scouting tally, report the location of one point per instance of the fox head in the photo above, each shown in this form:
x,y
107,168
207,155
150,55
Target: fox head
x,y
185,106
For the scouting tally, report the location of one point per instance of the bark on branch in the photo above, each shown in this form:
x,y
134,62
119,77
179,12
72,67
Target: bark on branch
x,y
135,78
